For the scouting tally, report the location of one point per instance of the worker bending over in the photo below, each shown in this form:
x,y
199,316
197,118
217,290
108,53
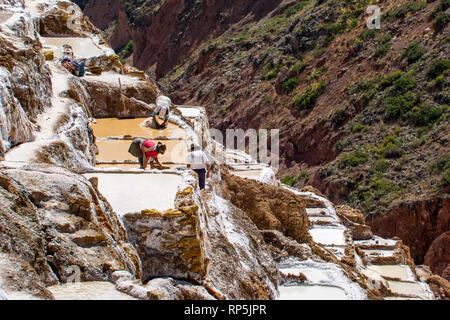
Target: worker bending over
x,y
163,104
147,151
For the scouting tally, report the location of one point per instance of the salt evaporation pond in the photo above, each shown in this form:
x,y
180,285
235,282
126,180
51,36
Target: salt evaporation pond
x,y
83,48
147,190
314,292
407,288
113,127
251,174
117,150
401,272
189,112
328,236
88,291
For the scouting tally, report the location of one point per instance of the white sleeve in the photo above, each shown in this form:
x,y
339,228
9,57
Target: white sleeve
x,y
189,159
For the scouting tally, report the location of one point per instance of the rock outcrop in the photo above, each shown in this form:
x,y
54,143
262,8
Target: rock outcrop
x,y
25,85
269,207
57,224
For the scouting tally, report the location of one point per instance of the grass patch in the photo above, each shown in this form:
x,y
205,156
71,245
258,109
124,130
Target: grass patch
x,y
414,52
353,159
308,99
403,10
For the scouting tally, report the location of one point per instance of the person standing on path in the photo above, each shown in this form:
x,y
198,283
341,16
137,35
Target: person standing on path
x,y
197,161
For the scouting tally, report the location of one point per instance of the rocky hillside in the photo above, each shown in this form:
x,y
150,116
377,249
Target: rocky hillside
x,y
363,113
77,224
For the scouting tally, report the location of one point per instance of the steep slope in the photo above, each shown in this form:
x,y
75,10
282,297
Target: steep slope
x,y
363,113
66,218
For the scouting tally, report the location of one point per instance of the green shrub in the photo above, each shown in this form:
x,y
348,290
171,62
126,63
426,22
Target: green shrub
x,y
386,38
438,67
396,106
414,52
402,10
403,85
126,51
441,21
339,117
353,159
341,145
384,46
381,165
308,98
298,68
390,148
273,73
295,8
392,151
358,127
425,114
446,178
382,50
368,34
441,164
290,84
383,187
289,180
440,82
441,7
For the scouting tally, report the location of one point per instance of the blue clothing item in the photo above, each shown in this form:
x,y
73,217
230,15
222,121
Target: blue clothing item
x,y
79,65
201,177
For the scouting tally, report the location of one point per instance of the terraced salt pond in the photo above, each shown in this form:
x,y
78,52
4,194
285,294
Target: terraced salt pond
x,y
88,291
401,272
128,192
112,127
110,150
114,139
328,236
314,292
251,174
83,48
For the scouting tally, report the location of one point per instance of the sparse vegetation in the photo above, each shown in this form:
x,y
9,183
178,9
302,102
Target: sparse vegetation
x,y
308,98
353,159
414,52
290,84
291,180
403,10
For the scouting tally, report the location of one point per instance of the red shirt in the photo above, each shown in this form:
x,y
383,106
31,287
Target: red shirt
x,y
150,144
